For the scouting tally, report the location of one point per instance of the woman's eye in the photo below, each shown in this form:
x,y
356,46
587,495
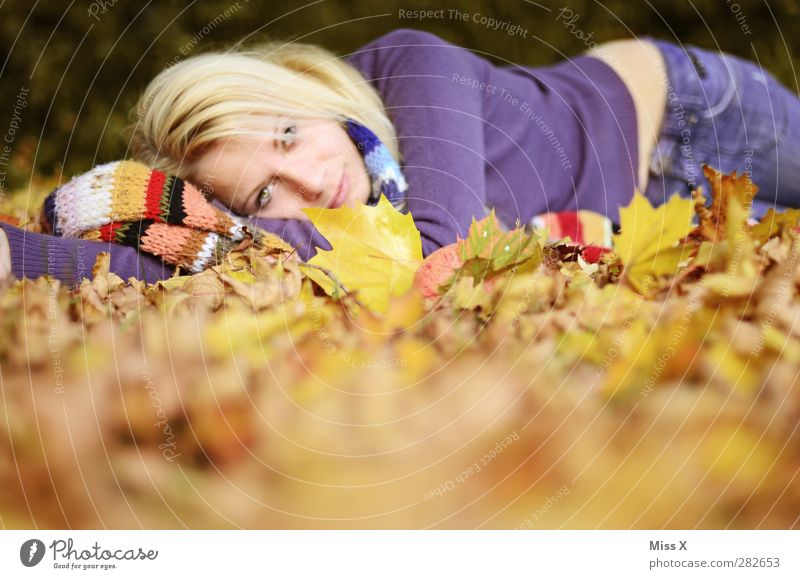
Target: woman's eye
x,y
264,196
289,133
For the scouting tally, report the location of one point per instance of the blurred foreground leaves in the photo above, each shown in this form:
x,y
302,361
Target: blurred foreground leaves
x,y
563,391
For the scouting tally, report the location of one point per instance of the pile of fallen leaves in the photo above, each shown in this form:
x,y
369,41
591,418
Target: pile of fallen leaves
x,y
505,381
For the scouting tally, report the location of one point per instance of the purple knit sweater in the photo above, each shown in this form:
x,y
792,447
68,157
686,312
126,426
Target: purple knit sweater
x,y
472,135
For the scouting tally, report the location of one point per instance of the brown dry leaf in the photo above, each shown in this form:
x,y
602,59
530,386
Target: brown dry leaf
x,y
268,242
715,220
205,289
777,294
260,282
187,294
127,300
94,305
732,198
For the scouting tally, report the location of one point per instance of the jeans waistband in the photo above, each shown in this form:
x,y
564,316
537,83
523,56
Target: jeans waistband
x,y
698,85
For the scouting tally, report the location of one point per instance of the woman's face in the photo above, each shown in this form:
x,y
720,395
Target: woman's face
x,y
315,165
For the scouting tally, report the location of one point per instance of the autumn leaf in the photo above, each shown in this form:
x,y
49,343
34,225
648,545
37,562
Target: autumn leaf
x,y
774,223
488,249
268,241
647,239
731,206
731,200
260,281
94,294
437,270
375,251
405,311
468,295
487,252
441,270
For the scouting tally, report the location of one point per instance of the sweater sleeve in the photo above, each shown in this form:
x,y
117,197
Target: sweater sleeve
x,y
439,125
70,260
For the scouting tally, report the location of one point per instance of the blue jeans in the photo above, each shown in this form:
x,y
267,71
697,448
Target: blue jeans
x,y
734,116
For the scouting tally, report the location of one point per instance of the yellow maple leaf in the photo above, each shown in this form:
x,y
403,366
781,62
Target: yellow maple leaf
x,y
468,295
404,312
647,238
774,223
375,251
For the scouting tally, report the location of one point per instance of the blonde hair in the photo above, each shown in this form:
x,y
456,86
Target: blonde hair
x,y
193,104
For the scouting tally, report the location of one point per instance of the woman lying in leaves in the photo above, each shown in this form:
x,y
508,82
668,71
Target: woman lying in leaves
x,y
271,130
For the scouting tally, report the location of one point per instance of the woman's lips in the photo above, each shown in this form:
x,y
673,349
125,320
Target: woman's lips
x,y
341,193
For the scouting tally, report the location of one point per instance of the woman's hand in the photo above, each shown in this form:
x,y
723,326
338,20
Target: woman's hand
x,y
5,260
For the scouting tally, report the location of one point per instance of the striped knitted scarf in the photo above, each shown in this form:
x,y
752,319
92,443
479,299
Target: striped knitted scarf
x,y
384,172
128,203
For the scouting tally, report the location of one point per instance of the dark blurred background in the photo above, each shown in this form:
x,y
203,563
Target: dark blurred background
x,y
71,73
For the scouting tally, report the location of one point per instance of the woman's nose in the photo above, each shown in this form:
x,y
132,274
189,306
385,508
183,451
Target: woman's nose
x,y
307,179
